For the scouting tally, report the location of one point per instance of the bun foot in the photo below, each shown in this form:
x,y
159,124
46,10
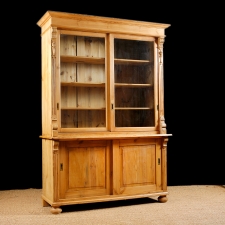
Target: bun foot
x,y
55,210
162,199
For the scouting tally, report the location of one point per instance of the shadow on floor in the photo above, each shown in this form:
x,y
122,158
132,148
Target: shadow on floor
x,y
109,204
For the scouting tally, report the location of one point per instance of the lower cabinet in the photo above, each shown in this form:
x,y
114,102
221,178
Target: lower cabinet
x,y
76,172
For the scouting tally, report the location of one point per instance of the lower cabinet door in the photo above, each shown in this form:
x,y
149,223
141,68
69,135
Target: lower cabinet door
x,y
136,166
106,169
84,169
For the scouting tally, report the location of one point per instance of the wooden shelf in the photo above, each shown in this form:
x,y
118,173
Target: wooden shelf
x,y
119,85
133,108
81,108
79,84
82,59
131,61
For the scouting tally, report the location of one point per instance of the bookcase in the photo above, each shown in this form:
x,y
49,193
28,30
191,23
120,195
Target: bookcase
x,y
103,135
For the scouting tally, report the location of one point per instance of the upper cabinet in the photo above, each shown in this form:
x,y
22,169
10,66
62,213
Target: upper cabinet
x,y
101,74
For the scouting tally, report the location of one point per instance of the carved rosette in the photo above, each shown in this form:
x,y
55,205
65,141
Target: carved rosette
x,y
160,49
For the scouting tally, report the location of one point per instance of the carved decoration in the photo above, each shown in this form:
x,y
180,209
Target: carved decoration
x,y
54,127
164,144
53,48
160,48
162,125
53,41
55,149
55,146
54,32
54,124
164,166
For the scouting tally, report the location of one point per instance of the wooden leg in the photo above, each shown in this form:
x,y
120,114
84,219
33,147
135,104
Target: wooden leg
x,y
162,198
55,210
44,203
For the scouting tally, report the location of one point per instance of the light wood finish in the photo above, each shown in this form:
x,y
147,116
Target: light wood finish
x,y
84,169
132,85
135,166
45,204
46,78
103,127
164,163
47,169
79,84
131,61
100,24
111,109
105,198
82,59
105,135
82,80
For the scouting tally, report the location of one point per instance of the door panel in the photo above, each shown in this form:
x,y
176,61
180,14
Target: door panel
x,y
135,166
84,169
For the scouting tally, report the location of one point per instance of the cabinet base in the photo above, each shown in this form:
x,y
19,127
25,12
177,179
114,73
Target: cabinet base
x,y
55,207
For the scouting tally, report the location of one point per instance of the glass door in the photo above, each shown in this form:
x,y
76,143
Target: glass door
x,y
82,81
134,83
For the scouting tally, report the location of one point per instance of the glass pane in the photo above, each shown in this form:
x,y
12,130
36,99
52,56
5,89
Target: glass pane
x,y
82,75
134,74
132,49
134,118
133,97
134,83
